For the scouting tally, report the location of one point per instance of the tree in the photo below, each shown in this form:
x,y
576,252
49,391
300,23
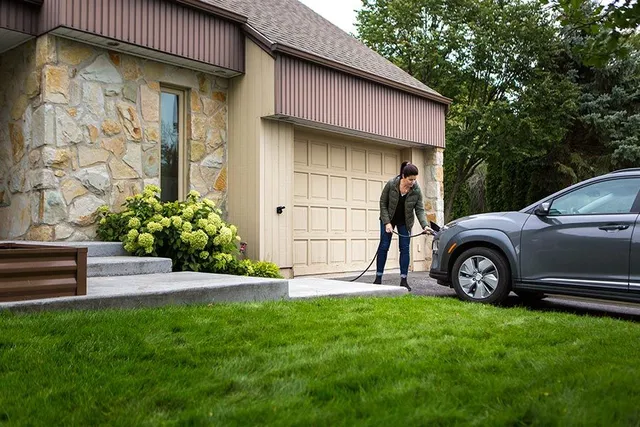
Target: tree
x,y
604,134
490,57
610,108
607,28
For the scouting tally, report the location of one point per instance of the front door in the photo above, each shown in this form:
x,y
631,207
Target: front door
x,y
585,239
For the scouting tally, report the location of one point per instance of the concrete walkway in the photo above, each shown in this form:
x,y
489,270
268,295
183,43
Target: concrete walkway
x,y
155,290
311,287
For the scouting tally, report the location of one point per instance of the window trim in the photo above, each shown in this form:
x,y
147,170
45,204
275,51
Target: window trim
x,y
183,168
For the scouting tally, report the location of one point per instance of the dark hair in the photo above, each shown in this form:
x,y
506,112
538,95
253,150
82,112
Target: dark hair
x,y
408,169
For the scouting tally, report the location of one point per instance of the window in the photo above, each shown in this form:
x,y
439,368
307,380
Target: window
x,y
605,197
172,166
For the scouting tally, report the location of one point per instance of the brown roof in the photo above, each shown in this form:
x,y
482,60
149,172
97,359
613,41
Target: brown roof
x,y
291,24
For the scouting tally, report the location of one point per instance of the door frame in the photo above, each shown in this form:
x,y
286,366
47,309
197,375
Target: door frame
x,y
183,160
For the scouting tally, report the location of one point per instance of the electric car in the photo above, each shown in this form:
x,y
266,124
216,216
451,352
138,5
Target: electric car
x,y
582,241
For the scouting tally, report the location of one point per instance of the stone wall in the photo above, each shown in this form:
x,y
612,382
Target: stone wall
x,y
19,85
434,193
94,129
433,201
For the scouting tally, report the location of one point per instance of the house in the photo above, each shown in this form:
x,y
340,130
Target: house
x,y
291,125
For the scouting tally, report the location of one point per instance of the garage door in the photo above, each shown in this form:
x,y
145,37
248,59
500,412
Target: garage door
x,y
337,189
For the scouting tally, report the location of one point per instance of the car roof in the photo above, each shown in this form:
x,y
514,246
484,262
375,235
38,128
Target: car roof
x,y
629,171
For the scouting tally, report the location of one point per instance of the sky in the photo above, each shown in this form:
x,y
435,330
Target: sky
x,y
339,12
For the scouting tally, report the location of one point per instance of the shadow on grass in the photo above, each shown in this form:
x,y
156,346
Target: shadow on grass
x,y
581,307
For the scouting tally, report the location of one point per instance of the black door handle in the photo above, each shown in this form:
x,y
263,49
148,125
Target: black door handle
x,y
614,227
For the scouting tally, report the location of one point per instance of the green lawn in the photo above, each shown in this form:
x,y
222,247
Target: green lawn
x,y
387,361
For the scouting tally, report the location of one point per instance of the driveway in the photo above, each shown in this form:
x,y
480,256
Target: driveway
x,y
422,284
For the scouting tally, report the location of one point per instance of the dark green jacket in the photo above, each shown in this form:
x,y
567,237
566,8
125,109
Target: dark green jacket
x,y
389,202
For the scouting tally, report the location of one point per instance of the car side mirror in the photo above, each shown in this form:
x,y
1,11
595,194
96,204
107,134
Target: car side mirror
x,y
543,209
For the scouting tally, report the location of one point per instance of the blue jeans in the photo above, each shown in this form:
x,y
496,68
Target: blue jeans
x,y
383,249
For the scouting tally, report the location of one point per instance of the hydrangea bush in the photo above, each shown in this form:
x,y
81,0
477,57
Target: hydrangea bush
x,y
191,233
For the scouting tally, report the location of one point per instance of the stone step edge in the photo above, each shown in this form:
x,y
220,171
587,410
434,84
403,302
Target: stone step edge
x,y
272,290
127,266
94,248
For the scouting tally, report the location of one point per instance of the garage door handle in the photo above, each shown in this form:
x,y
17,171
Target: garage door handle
x,y
613,227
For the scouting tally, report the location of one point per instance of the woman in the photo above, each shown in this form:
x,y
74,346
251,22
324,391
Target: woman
x,y
400,198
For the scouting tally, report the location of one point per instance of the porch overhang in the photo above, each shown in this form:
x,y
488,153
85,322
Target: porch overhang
x,y
18,22
187,33
10,39
132,49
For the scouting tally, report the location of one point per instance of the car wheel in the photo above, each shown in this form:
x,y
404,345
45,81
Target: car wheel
x,y
531,296
481,275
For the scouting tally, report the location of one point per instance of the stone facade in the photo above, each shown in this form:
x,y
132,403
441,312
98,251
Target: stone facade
x,y
19,88
434,193
80,128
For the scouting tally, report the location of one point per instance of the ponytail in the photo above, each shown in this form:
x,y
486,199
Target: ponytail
x,y
408,169
402,166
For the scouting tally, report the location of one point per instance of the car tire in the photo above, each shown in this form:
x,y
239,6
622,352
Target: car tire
x,y
530,296
481,275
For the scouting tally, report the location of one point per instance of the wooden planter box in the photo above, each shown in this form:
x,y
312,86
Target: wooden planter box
x,y
32,271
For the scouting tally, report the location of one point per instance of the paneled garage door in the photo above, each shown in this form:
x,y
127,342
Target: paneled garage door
x,y
337,189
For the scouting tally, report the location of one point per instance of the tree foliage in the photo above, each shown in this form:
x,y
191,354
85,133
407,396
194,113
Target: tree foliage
x,y
607,27
544,93
610,109
491,57
603,135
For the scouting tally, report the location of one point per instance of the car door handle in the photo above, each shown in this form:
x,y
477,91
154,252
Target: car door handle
x,y
614,227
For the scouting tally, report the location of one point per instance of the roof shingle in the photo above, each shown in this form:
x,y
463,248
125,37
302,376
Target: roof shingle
x,y
293,24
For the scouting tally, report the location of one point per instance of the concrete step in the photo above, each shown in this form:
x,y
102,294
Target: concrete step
x,y
98,266
99,249
94,249
157,290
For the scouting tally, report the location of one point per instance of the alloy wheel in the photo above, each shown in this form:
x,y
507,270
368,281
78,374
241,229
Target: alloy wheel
x,y
478,277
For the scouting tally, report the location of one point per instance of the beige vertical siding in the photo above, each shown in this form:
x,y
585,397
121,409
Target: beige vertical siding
x,y
251,97
276,240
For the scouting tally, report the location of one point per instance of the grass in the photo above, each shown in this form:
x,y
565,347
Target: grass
x,y
401,361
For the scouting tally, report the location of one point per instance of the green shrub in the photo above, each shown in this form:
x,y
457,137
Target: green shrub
x,y
266,269
227,264
191,233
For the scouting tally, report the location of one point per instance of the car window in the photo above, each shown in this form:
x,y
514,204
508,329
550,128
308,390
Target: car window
x,y
605,197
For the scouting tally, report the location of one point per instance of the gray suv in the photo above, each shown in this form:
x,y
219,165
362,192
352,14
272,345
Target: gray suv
x,y
583,241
